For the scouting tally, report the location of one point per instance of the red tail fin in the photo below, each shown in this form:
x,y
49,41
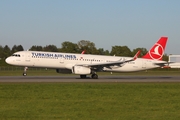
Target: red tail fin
x,y
157,51
83,52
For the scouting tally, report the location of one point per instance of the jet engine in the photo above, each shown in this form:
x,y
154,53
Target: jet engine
x,y
81,70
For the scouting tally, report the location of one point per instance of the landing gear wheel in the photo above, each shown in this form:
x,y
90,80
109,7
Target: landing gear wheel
x,y
82,76
94,76
25,71
24,74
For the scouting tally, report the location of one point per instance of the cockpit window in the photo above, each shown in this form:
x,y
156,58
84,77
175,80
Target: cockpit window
x,y
16,55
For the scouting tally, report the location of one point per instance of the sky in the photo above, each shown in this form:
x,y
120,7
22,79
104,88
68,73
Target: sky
x,y
132,23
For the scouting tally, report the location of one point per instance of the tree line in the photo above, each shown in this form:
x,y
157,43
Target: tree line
x,y
70,47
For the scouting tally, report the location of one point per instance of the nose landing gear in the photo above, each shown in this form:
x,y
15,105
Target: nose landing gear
x,y
25,71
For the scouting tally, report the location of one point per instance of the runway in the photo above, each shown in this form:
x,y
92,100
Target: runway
x,y
76,79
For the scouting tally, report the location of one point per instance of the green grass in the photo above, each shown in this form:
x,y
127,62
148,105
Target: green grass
x,y
87,101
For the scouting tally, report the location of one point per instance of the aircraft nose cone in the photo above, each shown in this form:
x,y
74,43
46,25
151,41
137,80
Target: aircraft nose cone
x,y
8,60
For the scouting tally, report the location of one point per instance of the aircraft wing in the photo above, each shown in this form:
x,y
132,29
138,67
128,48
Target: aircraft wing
x,y
110,63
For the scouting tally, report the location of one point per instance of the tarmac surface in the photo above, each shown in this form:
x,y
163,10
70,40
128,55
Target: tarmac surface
x,y
74,79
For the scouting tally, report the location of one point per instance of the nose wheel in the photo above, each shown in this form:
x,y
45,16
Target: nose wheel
x,y
24,74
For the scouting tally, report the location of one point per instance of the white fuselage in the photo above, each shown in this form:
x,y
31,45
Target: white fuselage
x,y
68,60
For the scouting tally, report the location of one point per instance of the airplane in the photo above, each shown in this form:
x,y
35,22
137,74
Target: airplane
x,y
87,64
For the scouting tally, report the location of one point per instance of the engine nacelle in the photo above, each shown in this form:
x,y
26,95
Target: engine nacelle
x,y
81,70
65,71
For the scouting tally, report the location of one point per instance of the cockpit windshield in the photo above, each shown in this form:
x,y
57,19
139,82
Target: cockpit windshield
x,y
16,55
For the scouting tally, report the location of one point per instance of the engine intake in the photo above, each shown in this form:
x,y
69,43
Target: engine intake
x,y
81,70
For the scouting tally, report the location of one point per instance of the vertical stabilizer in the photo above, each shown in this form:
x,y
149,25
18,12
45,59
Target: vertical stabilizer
x,y
157,51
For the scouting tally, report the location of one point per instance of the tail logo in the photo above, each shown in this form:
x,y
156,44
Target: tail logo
x,y
157,52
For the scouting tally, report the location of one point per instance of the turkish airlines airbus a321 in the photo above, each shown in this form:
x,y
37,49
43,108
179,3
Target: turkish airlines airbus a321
x,y
85,64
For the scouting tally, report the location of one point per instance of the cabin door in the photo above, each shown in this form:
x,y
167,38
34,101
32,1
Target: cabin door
x,y
28,57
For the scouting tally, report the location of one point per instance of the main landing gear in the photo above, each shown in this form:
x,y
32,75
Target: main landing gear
x,y
25,71
93,76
